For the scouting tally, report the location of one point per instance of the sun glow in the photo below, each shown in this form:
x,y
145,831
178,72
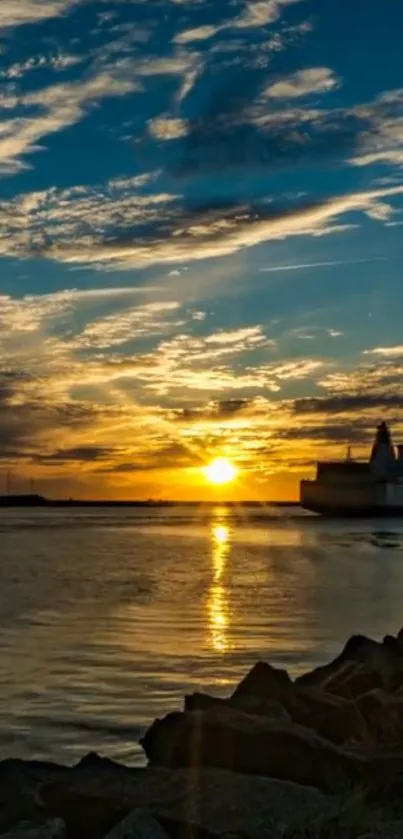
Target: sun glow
x,y
220,471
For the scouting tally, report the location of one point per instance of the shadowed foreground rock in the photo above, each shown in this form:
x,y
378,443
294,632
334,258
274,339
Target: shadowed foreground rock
x,y
227,739
138,825
384,660
187,804
54,829
270,758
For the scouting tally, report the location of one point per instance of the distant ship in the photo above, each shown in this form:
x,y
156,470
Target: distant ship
x,y
355,488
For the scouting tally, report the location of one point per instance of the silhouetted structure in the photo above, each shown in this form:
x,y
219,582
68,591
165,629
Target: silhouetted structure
x,y
356,488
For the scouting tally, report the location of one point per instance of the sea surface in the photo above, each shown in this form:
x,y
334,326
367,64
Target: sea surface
x,y
108,616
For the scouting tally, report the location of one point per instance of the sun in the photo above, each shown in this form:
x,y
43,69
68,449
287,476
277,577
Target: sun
x,y
220,471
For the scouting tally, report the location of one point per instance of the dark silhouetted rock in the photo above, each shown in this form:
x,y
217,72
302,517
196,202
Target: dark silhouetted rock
x,y
248,703
316,702
263,685
54,829
242,743
203,702
139,824
207,802
264,681
352,680
193,803
393,645
383,715
387,831
378,658
372,720
19,784
342,726
85,816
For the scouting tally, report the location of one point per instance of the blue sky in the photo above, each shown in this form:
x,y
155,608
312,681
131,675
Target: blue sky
x,y
200,238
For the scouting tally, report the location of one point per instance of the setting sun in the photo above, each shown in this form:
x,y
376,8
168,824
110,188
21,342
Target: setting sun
x,y
220,471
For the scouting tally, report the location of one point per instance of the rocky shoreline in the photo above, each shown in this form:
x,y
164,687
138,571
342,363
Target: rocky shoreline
x,y
320,756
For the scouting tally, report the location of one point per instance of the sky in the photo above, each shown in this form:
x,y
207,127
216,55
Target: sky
x,y
200,241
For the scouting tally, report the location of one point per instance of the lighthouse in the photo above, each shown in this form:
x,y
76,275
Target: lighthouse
x,y
383,456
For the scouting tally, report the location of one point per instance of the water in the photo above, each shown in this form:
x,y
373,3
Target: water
x,y
109,616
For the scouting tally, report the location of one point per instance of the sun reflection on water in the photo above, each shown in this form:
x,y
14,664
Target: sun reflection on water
x,y
218,607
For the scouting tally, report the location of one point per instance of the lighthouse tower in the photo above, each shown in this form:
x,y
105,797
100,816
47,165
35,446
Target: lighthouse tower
x,y
383,456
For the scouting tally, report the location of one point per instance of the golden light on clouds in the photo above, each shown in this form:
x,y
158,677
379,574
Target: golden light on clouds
x,y
220,471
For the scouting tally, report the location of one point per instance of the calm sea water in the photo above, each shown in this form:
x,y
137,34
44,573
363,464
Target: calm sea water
x,y
108,617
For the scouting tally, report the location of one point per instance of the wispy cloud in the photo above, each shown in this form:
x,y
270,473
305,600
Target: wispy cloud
x,y
129,325
18,12
387,352
255,14
199,33
188,235
133,381
65,402
334,263
59,106
168,128
58,61
303,83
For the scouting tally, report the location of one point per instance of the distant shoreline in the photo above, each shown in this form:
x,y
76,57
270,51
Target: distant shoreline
x,y
41,501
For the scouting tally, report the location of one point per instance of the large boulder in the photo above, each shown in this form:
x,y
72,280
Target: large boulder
x,y
54,829
387,830
249,704
98,795
352,680
383,716
264,681
264,685
371,723
197,802
221,803
252,745
385,664
139,824
85,816
343,726
317,703
19,784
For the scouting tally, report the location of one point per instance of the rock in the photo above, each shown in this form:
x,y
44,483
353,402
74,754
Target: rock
x,y
85,816
54,829
352,680
19,783
217,802
365,651
248,703
389,830
264,685
195,803
393,644
203,702
383,715
264,681
342,725
139,824
253,745
371,721
317,702
93,762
